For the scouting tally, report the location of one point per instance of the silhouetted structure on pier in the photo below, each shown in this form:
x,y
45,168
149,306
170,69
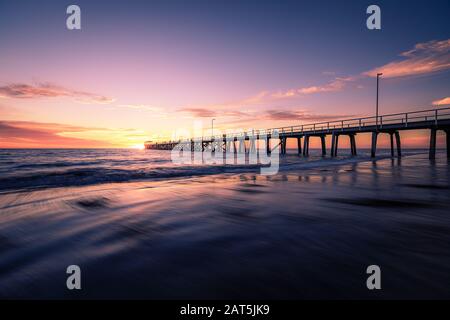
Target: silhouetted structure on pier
x,y
392,124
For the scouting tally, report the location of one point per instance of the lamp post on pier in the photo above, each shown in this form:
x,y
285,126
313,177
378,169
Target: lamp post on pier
x,y
212,135
378,89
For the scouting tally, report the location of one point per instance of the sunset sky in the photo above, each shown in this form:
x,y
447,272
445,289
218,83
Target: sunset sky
x,y
138,70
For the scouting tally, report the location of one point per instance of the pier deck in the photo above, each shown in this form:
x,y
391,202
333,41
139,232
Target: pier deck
x,y
392,124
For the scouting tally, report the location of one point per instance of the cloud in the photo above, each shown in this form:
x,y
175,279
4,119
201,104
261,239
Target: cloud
x,y
209,112
442,102
424,58
200,112
303,115
271,114
29,134
267,97
337,84
258,98
151,111
48,90
427,57
140,107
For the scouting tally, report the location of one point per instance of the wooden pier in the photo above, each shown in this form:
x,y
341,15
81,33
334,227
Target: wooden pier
x,y
432,119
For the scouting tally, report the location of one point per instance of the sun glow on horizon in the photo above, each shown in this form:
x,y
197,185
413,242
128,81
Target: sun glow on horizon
x,y
137,146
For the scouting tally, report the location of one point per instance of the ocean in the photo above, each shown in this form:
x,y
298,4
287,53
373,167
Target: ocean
x,y
139,226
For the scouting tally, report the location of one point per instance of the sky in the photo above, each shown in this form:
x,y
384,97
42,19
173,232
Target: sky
x,y
141,70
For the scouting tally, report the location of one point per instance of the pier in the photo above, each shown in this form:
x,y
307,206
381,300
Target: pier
x,y
391,124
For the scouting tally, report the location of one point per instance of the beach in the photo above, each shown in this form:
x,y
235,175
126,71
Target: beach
x,y
140,227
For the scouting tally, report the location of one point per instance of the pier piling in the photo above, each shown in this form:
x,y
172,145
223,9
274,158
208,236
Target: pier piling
x,y
268,148
353,144
432,153
336,144
397,142
306,146
391,137
447,134
299,145
374,144
322,142
333,143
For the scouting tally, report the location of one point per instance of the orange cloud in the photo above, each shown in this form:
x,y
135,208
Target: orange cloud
x,y
303,115
442,102
25,134
200,112
336,85
209,113
47,90
272,114
28,134
427,57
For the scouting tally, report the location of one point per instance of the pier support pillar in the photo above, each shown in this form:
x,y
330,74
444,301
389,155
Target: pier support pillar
x,y
253,145
333,144
242,146
447,133
391,137
229,145
432,154
268,149
353,144
374,144
397,142
306,146
322,141
223,143
283,145
299,145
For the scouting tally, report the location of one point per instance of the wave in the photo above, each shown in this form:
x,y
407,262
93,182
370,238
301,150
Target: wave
x,y
91,176
70,173
56,164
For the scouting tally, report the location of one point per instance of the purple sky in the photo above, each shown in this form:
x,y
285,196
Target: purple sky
x,y
139,70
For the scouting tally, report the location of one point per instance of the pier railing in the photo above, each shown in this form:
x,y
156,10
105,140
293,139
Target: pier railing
x,y
403,120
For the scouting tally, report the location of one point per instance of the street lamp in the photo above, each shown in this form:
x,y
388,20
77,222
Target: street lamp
x,y
378,85
212,136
